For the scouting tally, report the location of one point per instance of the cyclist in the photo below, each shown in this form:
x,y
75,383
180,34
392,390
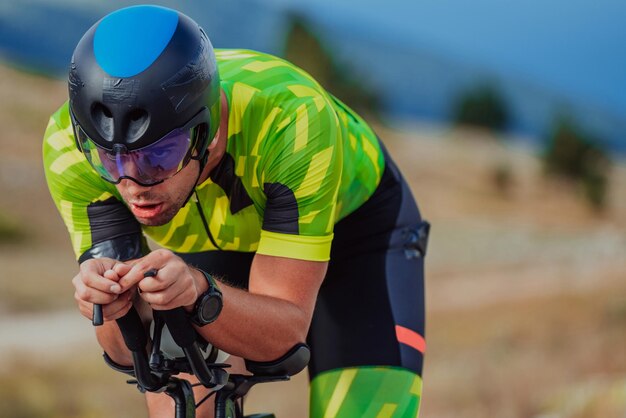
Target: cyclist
x,y
242,168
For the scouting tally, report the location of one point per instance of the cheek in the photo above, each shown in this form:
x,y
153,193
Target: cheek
x,y
187,177
177,187
176,195
167,193
123,191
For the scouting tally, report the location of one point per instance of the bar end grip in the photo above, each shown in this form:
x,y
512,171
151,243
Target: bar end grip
x,y
98,318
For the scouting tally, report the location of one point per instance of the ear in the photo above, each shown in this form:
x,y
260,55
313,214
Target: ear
x,y
215,140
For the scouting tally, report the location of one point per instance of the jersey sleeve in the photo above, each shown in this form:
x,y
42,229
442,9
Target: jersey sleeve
x,y
300,175
99,224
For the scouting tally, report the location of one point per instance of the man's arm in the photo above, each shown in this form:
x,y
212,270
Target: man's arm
x,y
100,226
97,282
274,315
260,324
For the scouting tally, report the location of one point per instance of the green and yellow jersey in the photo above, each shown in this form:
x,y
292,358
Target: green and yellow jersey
x,y
297,161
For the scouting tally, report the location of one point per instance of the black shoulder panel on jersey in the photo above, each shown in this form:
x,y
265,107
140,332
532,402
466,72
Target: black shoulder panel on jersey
x,y
126,247
281,209
110,219
115,233
224,176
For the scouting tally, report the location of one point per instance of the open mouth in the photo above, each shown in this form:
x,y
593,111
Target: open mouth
x,y
146,210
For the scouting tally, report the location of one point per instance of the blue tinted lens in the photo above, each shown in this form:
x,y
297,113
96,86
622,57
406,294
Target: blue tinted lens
x,y
149,165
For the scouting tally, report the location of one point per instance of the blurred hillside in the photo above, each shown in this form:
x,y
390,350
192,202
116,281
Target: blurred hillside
x,y
546,59
525,285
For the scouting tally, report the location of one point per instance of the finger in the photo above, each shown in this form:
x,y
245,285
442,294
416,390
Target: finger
x,y
97,265
121,300
91,295
122,269
159,282
111,275
101,283
172,287
164,300
85,308
151,284
117,310
131,278
155,260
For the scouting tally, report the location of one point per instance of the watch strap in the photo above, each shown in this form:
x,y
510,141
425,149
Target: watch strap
x,y
210,280
213,290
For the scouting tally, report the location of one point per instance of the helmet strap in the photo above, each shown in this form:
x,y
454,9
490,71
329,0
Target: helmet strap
x,y
203,150
202,159
193,189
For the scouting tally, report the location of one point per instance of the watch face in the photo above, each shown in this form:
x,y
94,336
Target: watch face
x,y
211,307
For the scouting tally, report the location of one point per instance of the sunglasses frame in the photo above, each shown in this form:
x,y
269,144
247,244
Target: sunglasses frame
x,y
202,117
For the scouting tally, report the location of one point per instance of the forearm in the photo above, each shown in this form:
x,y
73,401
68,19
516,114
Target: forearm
x,y
110,339
259,324
256,327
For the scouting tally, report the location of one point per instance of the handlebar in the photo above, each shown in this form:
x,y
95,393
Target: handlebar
x,y
155,375
184,335
98,317
136,340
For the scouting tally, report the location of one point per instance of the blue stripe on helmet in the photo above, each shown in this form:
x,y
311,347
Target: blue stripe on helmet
x,y
129,40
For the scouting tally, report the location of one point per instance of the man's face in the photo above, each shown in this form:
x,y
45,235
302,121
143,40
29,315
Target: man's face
x,y
157,205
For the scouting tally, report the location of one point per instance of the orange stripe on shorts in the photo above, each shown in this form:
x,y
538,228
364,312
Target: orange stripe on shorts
x,y
411,338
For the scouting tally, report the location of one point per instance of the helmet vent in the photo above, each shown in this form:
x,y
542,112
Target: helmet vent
x,y
138,121
103,120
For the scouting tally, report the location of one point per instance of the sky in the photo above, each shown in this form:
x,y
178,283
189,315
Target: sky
x,y
553,55
575,47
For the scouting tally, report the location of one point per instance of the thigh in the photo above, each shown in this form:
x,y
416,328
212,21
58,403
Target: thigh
x,y
376,318
367,334
370,308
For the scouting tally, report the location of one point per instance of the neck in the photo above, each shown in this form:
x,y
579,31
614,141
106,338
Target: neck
x,y
217,147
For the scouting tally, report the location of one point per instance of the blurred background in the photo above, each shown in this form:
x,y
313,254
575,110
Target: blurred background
x,y
508,120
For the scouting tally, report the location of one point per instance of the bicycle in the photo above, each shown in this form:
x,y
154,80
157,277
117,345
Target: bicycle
x,y
156,373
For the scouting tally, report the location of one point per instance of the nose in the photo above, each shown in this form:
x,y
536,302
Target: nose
x,y
131,187
126,166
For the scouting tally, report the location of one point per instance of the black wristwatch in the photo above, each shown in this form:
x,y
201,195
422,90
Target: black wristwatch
x,y
209,304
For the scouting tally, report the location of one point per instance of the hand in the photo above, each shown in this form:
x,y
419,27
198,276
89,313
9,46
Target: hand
x,y
97,282
175,284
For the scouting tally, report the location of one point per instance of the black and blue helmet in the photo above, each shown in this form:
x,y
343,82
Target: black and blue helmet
x,y
141,72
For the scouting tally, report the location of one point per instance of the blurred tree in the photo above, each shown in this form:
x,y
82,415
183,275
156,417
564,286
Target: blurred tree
x,y
573,155
10,232
483,107
304,48
502,178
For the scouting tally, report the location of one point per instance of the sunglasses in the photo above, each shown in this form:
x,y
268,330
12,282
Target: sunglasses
x,y
149,165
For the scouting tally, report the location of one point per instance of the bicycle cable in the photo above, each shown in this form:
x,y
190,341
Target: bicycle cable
x,y
205,398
